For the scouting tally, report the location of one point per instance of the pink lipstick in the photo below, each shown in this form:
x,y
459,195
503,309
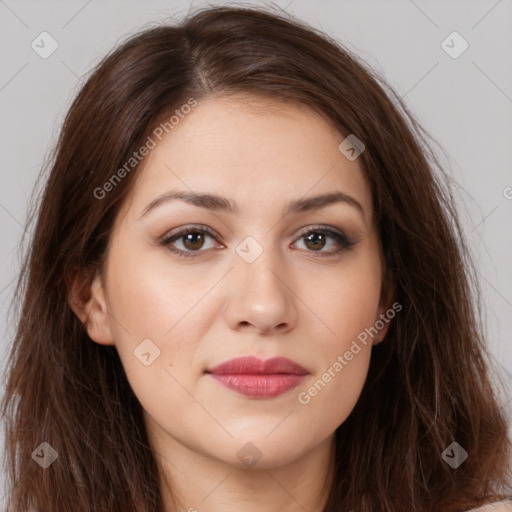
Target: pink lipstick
x,y
257,378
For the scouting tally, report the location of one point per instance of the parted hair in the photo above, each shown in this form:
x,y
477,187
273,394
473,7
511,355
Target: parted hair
x,y
430,381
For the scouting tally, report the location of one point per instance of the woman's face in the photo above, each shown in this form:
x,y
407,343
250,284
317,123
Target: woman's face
x,y
265,280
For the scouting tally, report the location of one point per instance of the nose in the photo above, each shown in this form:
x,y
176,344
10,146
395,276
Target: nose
x,y
260,296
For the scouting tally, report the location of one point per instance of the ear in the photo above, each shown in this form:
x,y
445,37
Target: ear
x,y
387,309
86,297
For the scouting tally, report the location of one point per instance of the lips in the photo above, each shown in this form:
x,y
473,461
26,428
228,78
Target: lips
x,y
259,378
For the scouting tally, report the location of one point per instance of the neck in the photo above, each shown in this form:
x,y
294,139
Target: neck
x,y
196,482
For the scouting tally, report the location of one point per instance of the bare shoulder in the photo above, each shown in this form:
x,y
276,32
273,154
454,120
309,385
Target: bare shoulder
x,y
501,506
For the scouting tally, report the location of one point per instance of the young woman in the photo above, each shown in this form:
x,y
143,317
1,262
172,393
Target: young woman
x,y
248,290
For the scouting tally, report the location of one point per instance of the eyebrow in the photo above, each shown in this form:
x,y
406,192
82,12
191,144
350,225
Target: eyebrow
x,y
218,203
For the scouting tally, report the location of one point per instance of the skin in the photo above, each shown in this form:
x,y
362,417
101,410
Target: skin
x,y
292,301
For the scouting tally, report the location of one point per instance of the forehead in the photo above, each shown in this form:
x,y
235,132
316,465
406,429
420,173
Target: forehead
x,y
252,149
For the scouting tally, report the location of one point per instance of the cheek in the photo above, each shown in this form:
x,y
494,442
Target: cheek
x,y
330,396
348,301
158,319
348,306
149,299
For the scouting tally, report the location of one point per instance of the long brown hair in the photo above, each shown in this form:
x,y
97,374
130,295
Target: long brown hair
x,y
429,382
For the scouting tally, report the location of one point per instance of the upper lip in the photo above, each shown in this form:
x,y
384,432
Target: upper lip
x,y
255,366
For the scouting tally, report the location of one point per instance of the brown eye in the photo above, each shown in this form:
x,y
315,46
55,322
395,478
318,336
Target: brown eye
x,y
193,241
315,241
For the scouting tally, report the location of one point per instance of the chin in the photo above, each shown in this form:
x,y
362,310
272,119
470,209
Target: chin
x,y
261,452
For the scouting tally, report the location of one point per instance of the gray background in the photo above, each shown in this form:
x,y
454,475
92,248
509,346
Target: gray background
x,y
464,103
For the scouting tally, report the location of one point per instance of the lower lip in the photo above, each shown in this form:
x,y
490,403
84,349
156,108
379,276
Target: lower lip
x,y
260,386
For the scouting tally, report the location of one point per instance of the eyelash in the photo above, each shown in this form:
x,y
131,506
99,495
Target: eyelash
x,y
341,238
